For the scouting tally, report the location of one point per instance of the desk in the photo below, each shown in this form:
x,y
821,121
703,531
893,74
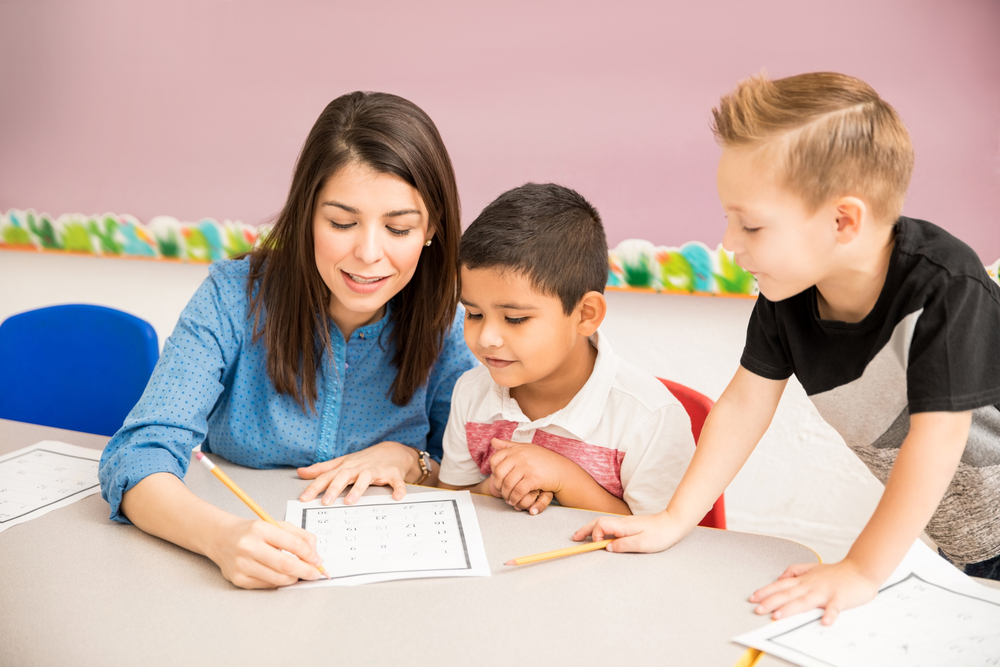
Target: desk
x,y
77,589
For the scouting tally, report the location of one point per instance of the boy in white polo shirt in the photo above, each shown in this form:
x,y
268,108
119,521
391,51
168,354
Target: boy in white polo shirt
x,y
553,412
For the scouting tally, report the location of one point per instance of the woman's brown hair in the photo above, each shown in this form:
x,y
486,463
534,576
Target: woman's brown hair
x,y
290,309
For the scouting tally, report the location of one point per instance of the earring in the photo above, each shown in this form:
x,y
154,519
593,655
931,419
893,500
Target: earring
x,y
427,243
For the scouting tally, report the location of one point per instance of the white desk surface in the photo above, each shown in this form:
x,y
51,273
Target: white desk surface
x,y
78,589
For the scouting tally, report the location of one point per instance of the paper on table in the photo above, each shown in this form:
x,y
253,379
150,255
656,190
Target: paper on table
x,y
928,613
43,477
434,534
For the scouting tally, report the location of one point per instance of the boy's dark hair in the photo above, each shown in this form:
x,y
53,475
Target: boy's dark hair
x,y
545,232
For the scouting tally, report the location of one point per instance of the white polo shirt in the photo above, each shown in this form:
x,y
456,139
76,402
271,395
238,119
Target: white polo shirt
x,y
623,427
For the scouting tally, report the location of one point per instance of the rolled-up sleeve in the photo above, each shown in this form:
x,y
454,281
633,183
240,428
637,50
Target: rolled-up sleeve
x,y
171,418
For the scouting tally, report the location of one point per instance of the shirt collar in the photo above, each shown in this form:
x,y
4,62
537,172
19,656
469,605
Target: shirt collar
x,y
374,330
582,415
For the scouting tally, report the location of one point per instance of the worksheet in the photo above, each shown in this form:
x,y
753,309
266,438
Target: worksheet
x,y
43,477
927,614
434,534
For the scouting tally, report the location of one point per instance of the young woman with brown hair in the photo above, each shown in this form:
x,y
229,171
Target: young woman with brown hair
x,y
334,346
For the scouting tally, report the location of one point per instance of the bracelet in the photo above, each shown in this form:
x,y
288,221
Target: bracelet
x,y
424,459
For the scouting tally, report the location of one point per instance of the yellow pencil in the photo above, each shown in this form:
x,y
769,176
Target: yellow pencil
x,y
257,509
749,658
559,553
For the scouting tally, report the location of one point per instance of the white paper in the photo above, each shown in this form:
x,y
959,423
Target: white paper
x,y
434,534
927,614
43,477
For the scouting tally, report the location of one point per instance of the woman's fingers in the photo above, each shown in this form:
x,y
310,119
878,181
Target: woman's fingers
x,y
303,534
398,487
339,481
261,555
317,469
361,483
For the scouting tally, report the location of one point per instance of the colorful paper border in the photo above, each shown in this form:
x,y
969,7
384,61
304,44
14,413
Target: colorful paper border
x,y
634,264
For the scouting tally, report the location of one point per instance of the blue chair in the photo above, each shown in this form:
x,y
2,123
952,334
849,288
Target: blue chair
x,y
77,367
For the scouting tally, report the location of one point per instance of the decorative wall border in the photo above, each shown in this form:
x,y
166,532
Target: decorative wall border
x,y
114,235
693,268
634,264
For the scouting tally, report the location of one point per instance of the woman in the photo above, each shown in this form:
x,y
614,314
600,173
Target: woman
x,y
333,347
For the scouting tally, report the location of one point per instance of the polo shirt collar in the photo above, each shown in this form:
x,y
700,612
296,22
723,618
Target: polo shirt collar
x,y
582,415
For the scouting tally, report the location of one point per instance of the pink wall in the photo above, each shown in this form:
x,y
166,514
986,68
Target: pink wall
x,y
198,108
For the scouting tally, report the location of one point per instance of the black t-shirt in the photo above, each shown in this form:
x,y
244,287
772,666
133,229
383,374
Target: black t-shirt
x,y
930,344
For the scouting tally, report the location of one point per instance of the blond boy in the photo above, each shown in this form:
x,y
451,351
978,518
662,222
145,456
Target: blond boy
x,y
891,325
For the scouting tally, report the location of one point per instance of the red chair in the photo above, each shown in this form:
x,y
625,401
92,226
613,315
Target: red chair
x,y
698,406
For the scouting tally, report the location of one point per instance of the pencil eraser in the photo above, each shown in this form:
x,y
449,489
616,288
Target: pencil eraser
x,y
198,455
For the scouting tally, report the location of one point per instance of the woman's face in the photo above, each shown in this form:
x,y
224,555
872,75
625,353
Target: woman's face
x,y
369,230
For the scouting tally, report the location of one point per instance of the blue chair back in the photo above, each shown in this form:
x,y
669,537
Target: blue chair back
x,y
77,367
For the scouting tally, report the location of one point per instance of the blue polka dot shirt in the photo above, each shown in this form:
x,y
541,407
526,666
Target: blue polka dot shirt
x,y
211,387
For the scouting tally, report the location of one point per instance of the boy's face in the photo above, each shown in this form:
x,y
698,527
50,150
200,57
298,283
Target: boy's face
x,y
770,231
519,334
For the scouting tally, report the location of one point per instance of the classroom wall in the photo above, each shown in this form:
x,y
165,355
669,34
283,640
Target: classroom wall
x,y
197,108
801,483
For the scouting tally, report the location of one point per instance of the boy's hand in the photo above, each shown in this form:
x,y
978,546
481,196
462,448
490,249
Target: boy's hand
x,y
526,475
806,586
644,534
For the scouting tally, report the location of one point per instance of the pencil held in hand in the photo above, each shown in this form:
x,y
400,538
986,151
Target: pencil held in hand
x,y
257,509
559,553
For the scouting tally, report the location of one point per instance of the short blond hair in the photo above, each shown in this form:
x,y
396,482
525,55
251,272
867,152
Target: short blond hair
x,y
837,137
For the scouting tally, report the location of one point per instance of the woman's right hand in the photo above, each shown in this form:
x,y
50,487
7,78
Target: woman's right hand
x,y
250,553
257,554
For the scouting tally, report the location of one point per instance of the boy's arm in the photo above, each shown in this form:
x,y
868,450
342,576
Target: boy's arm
x,y
522,469
732,430
924,467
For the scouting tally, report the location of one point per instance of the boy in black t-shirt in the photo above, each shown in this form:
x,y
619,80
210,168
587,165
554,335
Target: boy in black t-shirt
x,y
892,326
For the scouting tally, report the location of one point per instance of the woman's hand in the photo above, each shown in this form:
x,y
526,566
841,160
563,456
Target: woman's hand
x,y
257,554
385,464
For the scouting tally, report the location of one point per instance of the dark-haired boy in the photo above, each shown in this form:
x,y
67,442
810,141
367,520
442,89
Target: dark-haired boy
x,y
552,411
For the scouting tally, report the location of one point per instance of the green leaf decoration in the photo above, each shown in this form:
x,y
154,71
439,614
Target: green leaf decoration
x,y
732,279
676,272
638,273
105,235
44,232
198,247
236,242
76,238
169,246
16,237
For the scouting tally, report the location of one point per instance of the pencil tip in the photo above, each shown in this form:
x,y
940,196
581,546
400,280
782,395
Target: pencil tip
x,y
510,562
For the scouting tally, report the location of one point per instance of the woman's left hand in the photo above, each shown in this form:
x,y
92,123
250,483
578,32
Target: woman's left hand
x,y
384,464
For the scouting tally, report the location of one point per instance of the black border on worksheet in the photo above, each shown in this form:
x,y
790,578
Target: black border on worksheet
x,y
458,518
48,451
